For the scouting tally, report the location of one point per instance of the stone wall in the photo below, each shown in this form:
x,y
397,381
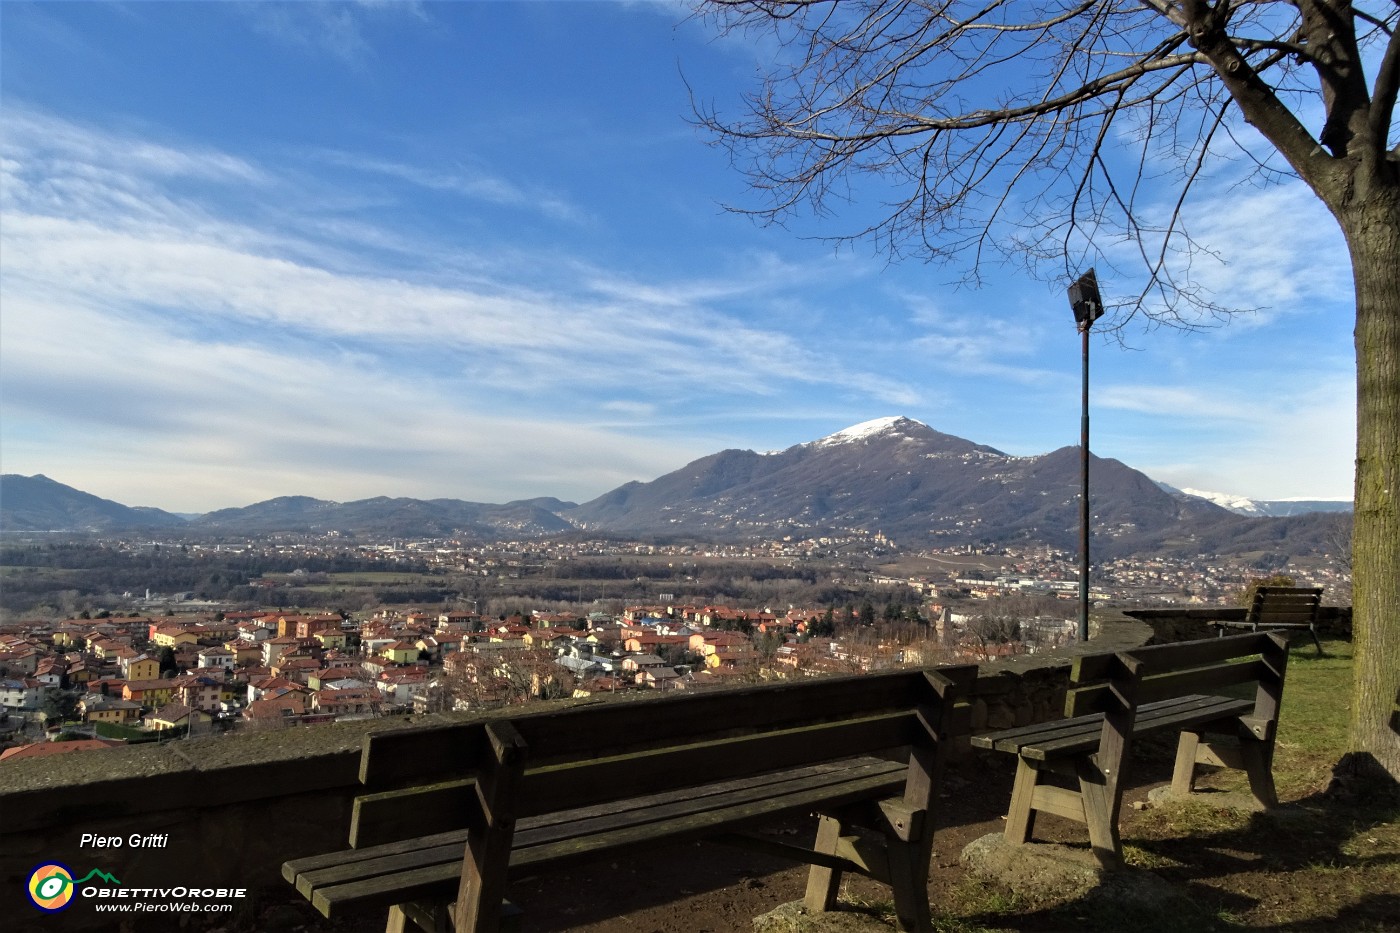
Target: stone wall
x,y
1021,691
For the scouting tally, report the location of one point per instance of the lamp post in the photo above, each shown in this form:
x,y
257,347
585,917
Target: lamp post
x,y
1084,300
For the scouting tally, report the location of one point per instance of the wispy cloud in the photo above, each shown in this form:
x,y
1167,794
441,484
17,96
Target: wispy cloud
x,y
343,30
467,182
963,343
187,323
1173,401
1271,249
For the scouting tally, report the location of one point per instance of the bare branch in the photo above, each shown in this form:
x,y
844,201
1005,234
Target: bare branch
x,y
1384,92
1000,127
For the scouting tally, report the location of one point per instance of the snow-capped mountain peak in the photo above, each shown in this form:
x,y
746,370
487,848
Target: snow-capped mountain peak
x,y
1275,508
1242,505
867,429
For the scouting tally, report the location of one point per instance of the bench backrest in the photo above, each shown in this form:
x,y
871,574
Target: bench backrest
x,y
1110,683
607,751
1285,605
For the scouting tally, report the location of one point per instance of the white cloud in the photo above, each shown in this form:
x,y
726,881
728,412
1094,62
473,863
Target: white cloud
x,y
160,411
467,182
976,344
1271,442
1176,401
146,317
34,139
342,30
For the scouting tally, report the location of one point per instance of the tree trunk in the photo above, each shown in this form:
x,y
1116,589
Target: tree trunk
x,y
1373,236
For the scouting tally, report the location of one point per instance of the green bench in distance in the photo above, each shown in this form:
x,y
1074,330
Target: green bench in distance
x,y
1281,608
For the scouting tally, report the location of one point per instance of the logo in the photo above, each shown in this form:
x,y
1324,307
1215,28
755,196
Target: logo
x,y
51,886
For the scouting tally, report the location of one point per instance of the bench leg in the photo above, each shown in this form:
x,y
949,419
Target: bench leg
x,y
406,917
1102,799
1257,757
1020,815
1184,772
823,884
908,851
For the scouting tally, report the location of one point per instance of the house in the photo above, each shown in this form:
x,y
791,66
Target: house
x,y
151,693
637,663
51,672
81,672
400,652
336,678
311,626
45,749
244,651
348,701
401,685
170,636
198,692
23,660
659,678
221,658
216,629
555,619
329,638
337,658
297,668
263,686
465,620
175,716
256,630
706,643
730,658
17,693
97,708
274,648
651,643
140,667
277,707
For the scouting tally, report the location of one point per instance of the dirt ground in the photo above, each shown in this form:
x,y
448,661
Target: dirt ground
x,y
1295,873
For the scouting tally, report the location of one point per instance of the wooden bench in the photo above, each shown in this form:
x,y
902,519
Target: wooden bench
x,y
1281,608
1114,698
451,811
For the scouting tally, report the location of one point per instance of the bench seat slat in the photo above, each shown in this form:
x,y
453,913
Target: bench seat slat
x,y
563,823
1150,718
1081,734
429,867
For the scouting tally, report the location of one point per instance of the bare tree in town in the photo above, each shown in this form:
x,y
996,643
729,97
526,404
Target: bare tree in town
x,y
989,628
1039,131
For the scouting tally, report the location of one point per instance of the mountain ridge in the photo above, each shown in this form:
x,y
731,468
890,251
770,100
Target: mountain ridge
x,y
893,476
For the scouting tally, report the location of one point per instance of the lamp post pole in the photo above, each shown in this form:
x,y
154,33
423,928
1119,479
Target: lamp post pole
x,y
1084,300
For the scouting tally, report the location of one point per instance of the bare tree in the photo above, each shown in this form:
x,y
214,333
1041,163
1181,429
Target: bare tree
x,y
1039,131
991,628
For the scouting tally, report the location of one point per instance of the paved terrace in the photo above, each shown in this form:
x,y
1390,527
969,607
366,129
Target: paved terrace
x,y
225,813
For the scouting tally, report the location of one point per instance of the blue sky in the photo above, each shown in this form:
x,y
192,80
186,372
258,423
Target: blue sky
x,y
478,251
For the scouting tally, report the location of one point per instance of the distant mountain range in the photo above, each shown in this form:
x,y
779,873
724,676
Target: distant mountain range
x,y
1272,508
37,503
894,476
